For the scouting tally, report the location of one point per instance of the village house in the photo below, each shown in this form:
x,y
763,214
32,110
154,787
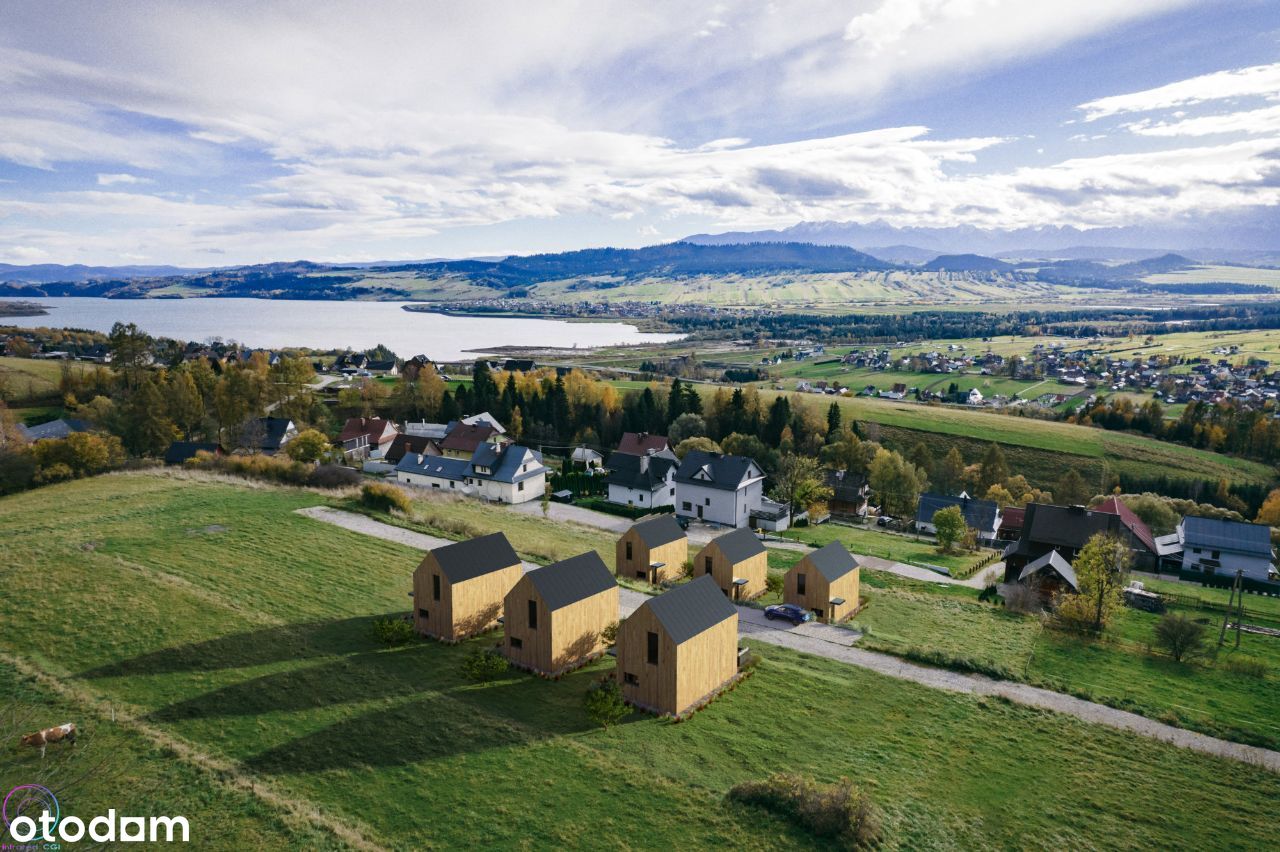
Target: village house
x,y
458,589
554,616
508,473
1049,575
642,443
678,649
366,437
267,435
54,429
654,549
464,438
826,582
737,561
1066,529
849,493
983,516
646,480
403,444
1214,550
587,458
723,489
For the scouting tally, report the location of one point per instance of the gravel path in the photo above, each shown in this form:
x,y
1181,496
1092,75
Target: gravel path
x,y
576,514
837,643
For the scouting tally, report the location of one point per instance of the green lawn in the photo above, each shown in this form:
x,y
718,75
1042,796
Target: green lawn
x,y
33,379
872,541
231,624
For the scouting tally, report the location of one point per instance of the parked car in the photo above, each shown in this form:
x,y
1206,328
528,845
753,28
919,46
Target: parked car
x,y
788,612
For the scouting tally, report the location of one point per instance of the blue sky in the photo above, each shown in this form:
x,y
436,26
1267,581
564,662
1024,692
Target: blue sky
x,y
249,132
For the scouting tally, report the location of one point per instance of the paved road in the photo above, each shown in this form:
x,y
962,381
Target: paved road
x,y
836,643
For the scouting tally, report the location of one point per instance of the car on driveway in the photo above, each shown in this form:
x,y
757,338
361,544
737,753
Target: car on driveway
x,y
788,612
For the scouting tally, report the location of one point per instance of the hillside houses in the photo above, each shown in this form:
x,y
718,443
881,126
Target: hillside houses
x,y
459,589
554,617
726,489
826,582
502,473
654,549
738,563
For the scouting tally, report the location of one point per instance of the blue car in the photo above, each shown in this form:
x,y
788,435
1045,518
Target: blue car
x,y
788,612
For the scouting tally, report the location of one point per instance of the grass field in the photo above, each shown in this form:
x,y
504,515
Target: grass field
x,y
30,378
870,541
232,627
903,615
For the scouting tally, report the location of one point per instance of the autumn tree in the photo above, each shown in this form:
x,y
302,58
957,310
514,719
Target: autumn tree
x,y
309,445
800,483
185,404
896,482
1071,489
1101,569
994,469
950,526
1269,511
949,473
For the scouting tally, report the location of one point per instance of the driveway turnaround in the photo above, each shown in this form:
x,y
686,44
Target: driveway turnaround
x,y
837,643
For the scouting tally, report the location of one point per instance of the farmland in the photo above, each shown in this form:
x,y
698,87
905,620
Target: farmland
x,y
233,628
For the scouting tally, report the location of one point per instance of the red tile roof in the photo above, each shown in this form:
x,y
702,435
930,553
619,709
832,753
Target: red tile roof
x,y
464,438
373,427
1114,506
640,443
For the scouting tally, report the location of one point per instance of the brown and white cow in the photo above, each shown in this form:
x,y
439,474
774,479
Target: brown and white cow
x,y
41,739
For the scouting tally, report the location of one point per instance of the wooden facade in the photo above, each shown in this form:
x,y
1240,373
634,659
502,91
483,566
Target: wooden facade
x,y
662,675
453,611
722,568
806,586
554,640
637,560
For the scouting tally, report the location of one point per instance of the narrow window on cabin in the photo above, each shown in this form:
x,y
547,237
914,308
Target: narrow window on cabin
x,y
706,564
422,613
628,550
653,649
533,615
630,680
435,587
799,584
516,643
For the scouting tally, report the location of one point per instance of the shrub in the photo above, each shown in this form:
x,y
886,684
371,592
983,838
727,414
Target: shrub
x,y
773,584
269,468
610,633
1247,667
750,661
382,497
334,476
1179,636
484,664
604,704
392,631
840,811
957,662
686,570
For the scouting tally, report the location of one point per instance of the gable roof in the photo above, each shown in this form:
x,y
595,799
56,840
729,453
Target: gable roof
x,y
275,431
373,428
690,609
832,561
179,451
402,445
739,545
658,530
466,560
1237,537
1012,517
441,467
53,429
979,514
570,580
1116,506
714,470
465,437
504,463
646,473
845,486
1051,560
1071,527
639,443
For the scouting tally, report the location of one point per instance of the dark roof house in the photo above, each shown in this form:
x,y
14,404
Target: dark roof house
x,y
640,443
981,515
54,429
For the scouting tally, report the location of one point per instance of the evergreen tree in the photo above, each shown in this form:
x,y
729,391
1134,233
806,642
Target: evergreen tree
x,y
833,422
147,428
484,390
675,401
779,419
994,469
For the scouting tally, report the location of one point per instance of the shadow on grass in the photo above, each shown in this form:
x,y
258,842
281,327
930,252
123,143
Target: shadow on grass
x,y
257,647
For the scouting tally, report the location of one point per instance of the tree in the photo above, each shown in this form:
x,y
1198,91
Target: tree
x,y
604,703
310,445
1179,636
950,526
779,419
949,476
800,483
130,349
1000,495
1071,489
1101,567
1269,511
921,456
896,482
706,444
186,405
146,428
833,420
686,426
994,468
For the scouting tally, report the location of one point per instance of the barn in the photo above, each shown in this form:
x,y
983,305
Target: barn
x,y
826,582
678,648
654,549
554,616
737,561
458,589
1050,574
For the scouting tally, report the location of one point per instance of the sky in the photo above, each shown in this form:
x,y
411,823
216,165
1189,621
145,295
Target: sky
x,y
203,134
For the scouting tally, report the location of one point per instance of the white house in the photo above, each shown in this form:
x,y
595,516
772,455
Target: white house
x,y
975,396
725,490
1221,548
587,457
505,474
646,480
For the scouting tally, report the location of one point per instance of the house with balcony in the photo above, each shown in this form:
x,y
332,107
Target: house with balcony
x,y
728,490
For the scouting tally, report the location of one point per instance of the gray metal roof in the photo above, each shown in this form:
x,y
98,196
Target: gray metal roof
x,y
1215,534
660,530
53,429
979,514
1053,560
442,467
646,473
571,580
725,472
739,545
832,561
466,560
690,609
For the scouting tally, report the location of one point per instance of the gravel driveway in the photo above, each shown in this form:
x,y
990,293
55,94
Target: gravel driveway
x,y
837,643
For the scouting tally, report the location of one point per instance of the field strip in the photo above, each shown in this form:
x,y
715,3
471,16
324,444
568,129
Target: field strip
x,y
297,810
836,643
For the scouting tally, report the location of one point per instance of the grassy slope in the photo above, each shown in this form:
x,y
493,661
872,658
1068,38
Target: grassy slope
x,y
252,642
870,541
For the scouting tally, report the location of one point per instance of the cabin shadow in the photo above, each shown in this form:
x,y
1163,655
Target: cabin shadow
x,y
256,647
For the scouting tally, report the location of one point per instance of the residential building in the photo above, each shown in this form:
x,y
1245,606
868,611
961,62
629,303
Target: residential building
x,y
366,437
267,435
464,438
646,480
1214,549
1050,574
179,452
554,617
1067,529
587,458
507,473
980,515
458,589
53,429
678,649
827,582
403,445
849,493
737,561
642,443
654,549
723,489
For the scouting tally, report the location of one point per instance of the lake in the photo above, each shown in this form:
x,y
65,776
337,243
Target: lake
x,y
278,323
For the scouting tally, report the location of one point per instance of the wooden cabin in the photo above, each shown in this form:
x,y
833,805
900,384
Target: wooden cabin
x,y
654,549
737,561
678,648
459,588
1050,574
554,616
826,582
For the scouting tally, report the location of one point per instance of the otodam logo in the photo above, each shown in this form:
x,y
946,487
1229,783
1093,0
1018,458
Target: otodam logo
x,y
31,813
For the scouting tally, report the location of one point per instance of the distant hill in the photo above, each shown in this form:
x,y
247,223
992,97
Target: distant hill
x,y
47,273
966,263
903,253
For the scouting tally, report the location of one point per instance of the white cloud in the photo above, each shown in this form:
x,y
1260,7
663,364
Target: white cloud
x,y
1255,121
121,178
1257,81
